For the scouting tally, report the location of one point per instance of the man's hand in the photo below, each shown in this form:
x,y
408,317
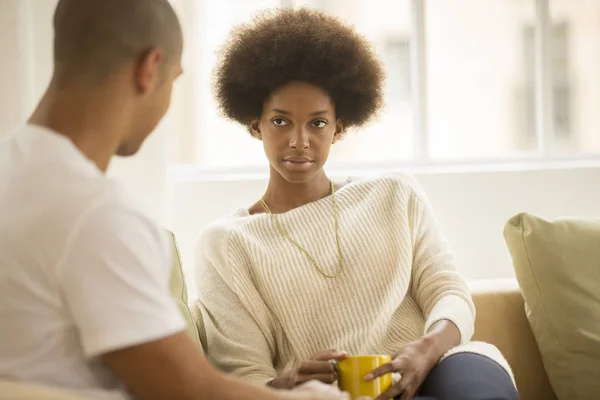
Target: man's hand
x,y
315,390
320,367
413,362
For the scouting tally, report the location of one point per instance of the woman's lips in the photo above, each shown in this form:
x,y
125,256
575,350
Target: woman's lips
x,y
298,165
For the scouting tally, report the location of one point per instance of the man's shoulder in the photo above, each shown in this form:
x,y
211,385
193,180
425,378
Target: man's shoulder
x,y
82,198
110,207
47,171
54,213
112,224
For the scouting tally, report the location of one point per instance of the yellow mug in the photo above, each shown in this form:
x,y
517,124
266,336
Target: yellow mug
x,y
352,371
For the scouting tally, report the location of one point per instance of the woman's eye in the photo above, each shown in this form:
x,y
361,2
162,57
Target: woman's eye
x,y
279,122
319,124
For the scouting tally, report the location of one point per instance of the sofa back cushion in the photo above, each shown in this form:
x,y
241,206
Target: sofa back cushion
x,y
557,265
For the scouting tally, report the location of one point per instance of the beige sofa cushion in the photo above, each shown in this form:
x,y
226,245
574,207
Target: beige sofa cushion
x,y
14,390
179,291
557,265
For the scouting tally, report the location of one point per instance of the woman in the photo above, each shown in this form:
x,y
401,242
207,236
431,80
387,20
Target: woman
x,y
316,269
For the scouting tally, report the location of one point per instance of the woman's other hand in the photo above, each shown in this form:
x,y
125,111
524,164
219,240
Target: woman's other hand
x,y
413,363
417,359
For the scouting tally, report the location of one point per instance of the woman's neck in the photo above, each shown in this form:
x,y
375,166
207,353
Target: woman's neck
x,y
282,196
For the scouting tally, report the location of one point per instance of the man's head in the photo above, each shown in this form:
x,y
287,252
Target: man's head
x,y
134,44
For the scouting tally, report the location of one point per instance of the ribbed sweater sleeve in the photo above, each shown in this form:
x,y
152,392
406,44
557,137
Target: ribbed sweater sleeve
x,y
440,291
237,344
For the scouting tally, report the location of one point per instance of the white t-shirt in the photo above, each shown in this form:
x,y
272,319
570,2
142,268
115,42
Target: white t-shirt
x,y
82,271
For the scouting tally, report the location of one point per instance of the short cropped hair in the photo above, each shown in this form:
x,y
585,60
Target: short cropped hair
x,y
284,45
93,38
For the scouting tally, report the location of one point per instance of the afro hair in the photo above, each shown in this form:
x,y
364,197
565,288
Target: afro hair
x,y
284,45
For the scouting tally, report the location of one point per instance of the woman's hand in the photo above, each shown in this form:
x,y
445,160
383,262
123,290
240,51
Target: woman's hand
x,y
417,359
413,363
320,367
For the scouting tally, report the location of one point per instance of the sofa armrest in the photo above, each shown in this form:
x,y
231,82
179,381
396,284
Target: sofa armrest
x,y
501,321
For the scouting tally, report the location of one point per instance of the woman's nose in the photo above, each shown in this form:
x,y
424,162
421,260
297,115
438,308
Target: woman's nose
x,y
299,139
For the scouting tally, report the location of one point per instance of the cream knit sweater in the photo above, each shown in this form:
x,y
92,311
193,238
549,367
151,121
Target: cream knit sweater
x,y
265,306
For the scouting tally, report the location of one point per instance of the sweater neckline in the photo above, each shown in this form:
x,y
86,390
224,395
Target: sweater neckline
x,y
244,212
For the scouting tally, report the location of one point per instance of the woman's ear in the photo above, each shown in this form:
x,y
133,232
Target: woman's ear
x,y
339,130
255,129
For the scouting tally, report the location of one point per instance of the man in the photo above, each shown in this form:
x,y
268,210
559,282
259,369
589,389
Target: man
x,y
85,303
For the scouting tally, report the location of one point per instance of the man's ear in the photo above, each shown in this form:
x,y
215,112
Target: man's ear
x,y
339,130
255,129
148,70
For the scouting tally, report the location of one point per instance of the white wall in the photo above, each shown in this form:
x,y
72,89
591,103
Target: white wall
x,y
472,207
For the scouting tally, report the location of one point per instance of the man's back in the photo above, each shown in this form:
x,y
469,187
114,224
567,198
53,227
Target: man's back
x,y
55,317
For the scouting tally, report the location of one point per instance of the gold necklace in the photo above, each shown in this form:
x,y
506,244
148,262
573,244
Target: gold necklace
x,y
337,236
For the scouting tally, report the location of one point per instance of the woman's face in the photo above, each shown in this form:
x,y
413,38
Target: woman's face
x,y
298,125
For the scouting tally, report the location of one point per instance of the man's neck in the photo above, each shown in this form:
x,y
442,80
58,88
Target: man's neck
x,y
90,120
282,196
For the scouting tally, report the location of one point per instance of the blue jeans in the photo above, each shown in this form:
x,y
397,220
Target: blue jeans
x,y
468,376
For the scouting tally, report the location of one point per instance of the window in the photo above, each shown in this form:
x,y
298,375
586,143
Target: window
x,y
473,62
467,81
561,87
575,76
